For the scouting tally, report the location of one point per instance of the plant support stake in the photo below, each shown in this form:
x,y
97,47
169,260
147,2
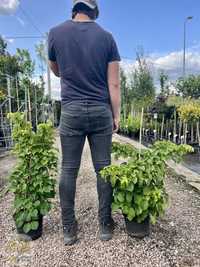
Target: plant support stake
x,y
141,126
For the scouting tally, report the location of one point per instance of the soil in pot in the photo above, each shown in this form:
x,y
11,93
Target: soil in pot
x,y
138,230
33,234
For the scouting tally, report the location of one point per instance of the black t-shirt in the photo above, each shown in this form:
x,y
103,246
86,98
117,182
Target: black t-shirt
x,y
82,51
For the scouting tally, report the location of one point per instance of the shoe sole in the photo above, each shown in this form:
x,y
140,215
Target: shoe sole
x,y
105,237
70,242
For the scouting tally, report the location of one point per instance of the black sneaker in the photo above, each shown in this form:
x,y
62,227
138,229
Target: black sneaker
x,y
70,234
106,230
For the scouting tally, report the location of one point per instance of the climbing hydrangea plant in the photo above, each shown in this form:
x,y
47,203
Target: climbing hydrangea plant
x,y
139,189
33,179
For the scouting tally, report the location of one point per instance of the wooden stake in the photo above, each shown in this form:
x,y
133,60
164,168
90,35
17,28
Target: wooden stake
x,y
198,133
162,126
141,126
174,126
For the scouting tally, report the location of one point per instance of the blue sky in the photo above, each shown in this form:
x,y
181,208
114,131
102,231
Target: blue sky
x,y
155,25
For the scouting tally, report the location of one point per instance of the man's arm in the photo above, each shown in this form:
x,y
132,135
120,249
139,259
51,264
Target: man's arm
x,y
54,67
115,91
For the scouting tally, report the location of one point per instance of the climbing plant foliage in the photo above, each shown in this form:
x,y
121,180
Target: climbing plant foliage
x,y
139,189
33,179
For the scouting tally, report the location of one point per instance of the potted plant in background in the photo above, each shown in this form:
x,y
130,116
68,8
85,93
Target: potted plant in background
x,y
138,185
33,179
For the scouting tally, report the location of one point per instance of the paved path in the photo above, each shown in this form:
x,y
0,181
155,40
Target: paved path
x,y
175,239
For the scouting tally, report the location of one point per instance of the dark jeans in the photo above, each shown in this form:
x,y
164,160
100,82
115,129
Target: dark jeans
x,y
78,121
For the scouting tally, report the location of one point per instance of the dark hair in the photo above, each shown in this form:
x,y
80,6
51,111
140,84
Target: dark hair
x,y
82,8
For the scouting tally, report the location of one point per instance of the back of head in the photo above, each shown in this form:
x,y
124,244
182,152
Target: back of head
x,y
86,7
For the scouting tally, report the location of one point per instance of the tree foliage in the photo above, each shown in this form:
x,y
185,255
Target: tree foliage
x,y
164,88
189,86
3,46
142,85
189,111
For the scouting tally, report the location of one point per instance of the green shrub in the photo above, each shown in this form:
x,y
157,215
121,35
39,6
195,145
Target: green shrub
x,y
139,189
130,125
32,180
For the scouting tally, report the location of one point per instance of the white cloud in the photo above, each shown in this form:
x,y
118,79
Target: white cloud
x,y
8,7
11,41
171,63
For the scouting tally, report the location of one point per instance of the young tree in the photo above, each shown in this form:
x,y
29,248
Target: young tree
x,y
143,89
164,88
42,55
27,67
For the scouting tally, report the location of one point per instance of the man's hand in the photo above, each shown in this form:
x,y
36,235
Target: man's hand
x,y
116,122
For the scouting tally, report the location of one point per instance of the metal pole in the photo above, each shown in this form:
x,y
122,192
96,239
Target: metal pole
x,y
26,106
29,105
184,47
17,92
9,94
141,126
36,109
48,72
9,107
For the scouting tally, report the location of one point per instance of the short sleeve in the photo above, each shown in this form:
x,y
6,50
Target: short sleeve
x,y
51,48
113,51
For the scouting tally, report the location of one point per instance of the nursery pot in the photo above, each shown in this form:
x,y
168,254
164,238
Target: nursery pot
x,y
33,234
139,230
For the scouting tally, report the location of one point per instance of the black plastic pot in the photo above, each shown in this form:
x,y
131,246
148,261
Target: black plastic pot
x,y
138,230
33,234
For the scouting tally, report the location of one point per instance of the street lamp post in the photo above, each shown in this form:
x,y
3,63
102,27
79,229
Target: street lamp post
x,y
184,45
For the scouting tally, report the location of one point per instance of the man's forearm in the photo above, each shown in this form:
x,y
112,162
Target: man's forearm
x,y
115,96
114,88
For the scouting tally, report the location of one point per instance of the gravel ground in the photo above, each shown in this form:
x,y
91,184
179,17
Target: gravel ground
x,y
174,241
6,165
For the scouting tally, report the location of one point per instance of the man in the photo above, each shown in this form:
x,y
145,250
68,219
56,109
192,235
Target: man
x,y
86,59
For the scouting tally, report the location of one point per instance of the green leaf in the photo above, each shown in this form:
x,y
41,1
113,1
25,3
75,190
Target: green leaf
x,y
145,205
115,207
28,217
130,187
153,218
34,225
37,203
138,211
120,197
27,227
131,214
138,199
129,197
146,191
125,209
35,213
19,223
